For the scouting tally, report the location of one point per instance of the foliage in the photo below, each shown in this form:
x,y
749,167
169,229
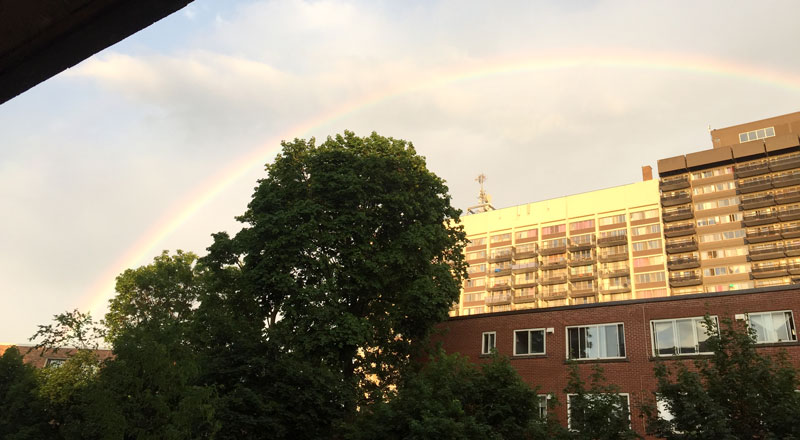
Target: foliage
x,y
22,413
351,253
598,412
735,393
451,398
71,329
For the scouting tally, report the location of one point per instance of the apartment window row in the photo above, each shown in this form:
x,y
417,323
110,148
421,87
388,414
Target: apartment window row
x,y
724,253
718,236
720,219
670,337
725,270
650,277
714,187
648,229
501,237
646,245
761,133
581,225
705,174
641,215
611,220
711,204
648,261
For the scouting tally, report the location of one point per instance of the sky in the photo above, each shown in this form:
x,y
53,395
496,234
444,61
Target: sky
x,y
158,141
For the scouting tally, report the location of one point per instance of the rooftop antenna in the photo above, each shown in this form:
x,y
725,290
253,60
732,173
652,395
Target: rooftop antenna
x,y
484,199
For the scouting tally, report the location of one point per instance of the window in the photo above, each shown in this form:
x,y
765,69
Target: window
x,y
476,268
716,203
542,404
581,225
641,215
754,135
680,336
471,256
530,233
472,297
720,219
550,230
724,270
596,341
54,362
472,310
651,277
477,282
727,235
648,261
714,187
477,241
773,326
612,220
622,404
501,237
530,341
613,233
557,243
724,253
646,245
488,342
705,174
499,253
648,229
524,248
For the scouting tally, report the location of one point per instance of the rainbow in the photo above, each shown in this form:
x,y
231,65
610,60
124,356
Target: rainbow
x,y
102,290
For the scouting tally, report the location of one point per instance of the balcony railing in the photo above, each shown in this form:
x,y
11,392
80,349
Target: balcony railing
x,y
554,294
613,273
679,229
500,271
769,271
678,246
582,276
673,215
525,298
673,183
683,263
525,283
755,184
609,290
502,298
500,256
583,291
767,252
581,242
525,252
762,235
785,162
614,240
751,169
554,264
793,268
759,201
553,280
760,218
685,280
676,199
499,286
526,267
787,213
556,249
789,179
783,197
792,249
582,260
613,256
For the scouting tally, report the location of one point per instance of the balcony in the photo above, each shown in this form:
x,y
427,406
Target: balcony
x,y
753,185
685,280
787,196
523,268
586,291
683,263
674,215
773,270
788,179
678,230
683,245
554,295
762,235
673,183
554,264
612,241
767,252
751,169
787,213
793,268
760,218
525,298
790,231
583,276
582,243
560,249
792,249
613,256
582,260
519,284
546,281
500,256
497,299
526,252
499,287
680,198
613,273
610,290
784,163
760,201
500,272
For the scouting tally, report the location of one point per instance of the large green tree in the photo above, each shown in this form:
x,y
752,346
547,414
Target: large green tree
x,y
350,252
23,413
736,393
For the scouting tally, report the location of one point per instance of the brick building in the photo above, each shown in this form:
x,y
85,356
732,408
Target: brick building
x,y
623,276
40,358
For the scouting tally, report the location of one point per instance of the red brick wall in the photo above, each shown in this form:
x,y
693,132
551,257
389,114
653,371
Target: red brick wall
x,y
634,374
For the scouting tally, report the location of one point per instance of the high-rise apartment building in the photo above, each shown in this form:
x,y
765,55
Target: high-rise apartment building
x,y
722,219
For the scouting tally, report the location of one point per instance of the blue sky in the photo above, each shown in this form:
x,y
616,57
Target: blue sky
x,y
93,158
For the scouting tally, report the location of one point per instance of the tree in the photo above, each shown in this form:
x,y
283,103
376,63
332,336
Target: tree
x,y
23,413
451,398
351,252
736,393
598,412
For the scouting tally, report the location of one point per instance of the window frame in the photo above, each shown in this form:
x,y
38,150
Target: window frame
x,y
624,344
654,350
484,341
542,398
793,330
529,330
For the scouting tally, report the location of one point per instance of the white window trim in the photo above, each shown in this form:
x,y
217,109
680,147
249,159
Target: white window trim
x,y
483,338
747,315
596,325
569,413
544,341
675,337
546,398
